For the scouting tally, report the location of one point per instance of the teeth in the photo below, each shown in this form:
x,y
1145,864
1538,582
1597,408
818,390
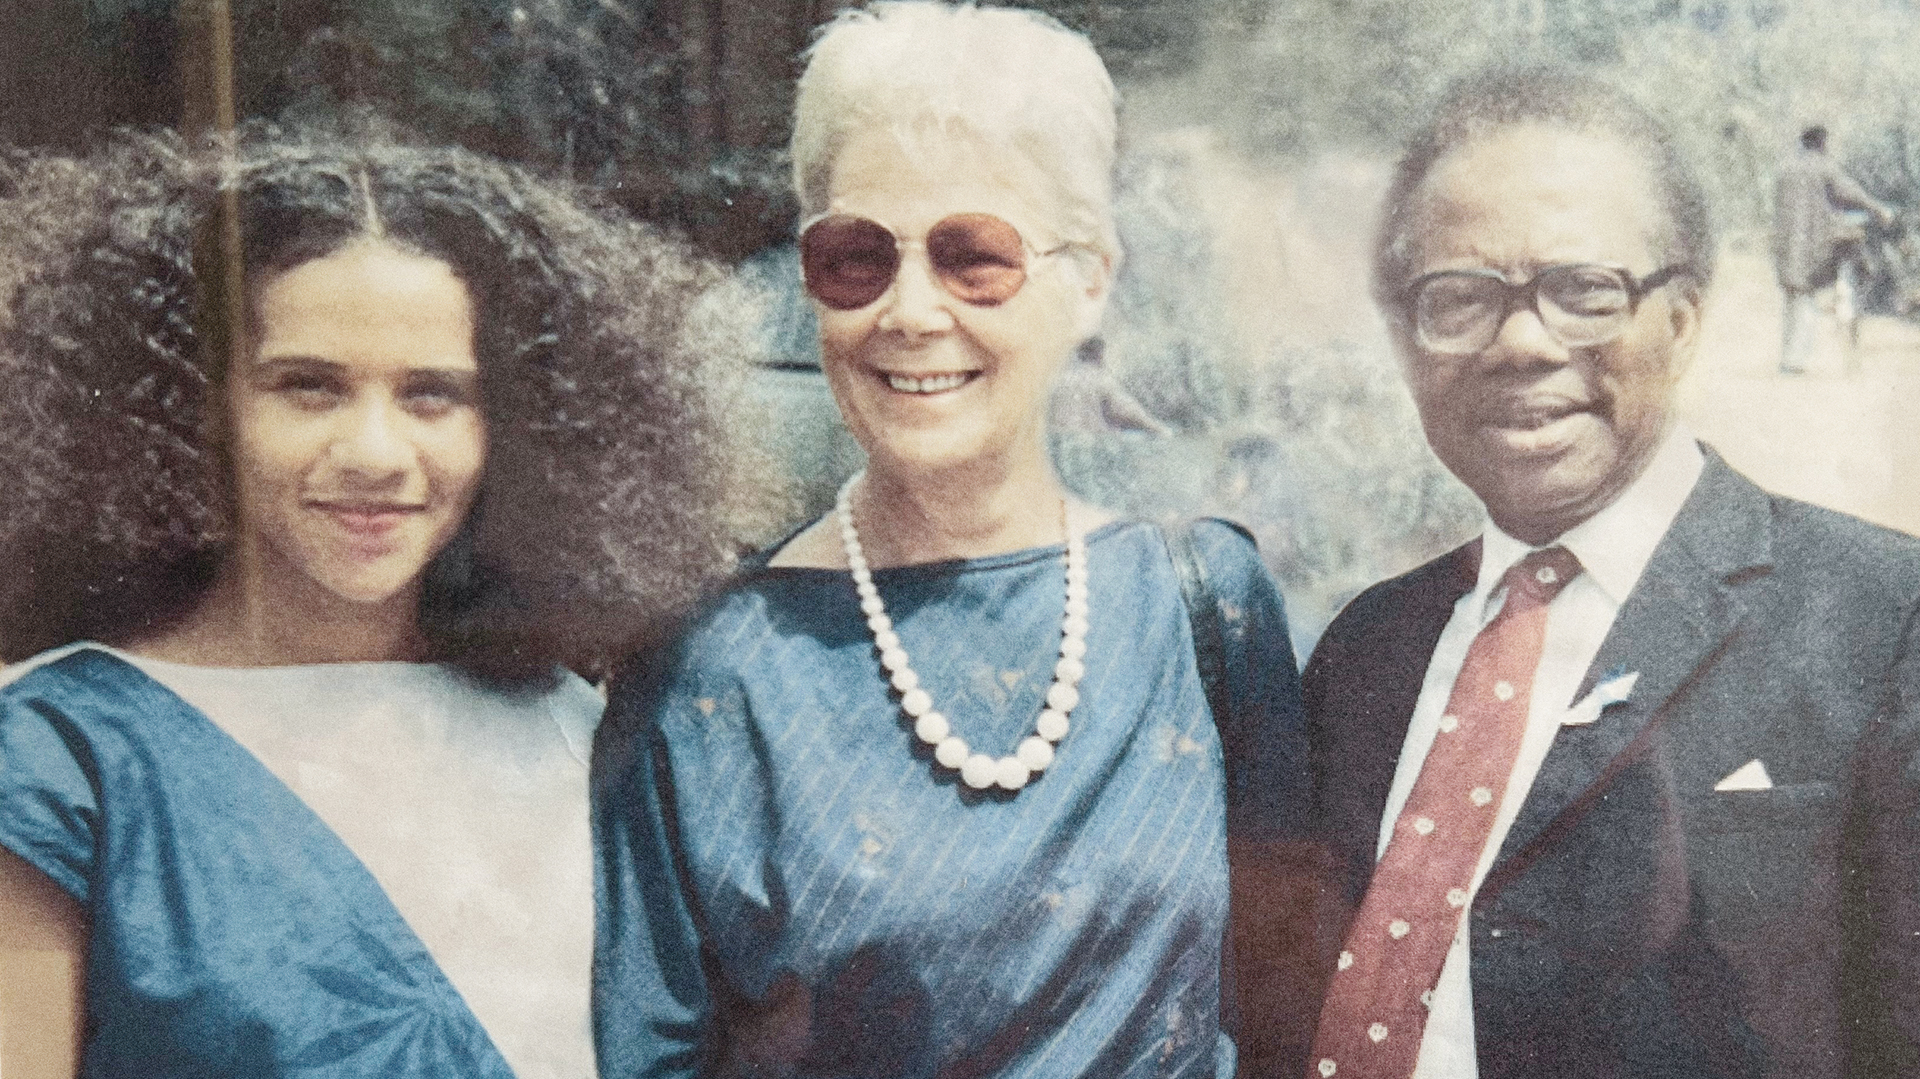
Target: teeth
x,y
929,384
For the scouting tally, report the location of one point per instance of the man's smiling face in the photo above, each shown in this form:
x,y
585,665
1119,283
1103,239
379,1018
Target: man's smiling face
x,y
1547,435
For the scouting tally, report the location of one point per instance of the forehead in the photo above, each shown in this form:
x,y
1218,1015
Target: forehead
x,y
366,300
908,179
1531,195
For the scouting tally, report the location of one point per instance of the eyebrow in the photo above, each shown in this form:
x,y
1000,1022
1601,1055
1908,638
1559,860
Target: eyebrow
x,y
300,360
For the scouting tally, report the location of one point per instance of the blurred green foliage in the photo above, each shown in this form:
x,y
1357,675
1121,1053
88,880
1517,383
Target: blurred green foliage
x,y
677,110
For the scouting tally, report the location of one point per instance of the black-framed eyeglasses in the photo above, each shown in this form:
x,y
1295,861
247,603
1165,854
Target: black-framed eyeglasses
x,y
1458,312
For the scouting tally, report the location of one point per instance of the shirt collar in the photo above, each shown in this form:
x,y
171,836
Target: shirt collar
x,y
1614,545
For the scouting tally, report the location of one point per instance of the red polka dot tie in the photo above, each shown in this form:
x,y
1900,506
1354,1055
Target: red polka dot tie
x,y
1376,1007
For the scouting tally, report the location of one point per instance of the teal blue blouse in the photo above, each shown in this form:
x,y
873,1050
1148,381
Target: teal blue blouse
x,y
787,882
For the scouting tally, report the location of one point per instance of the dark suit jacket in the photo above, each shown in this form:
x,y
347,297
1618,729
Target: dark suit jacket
x,y
1637,922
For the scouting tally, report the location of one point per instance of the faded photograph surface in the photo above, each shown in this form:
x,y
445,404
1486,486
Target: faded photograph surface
x,y
389,385
1242,368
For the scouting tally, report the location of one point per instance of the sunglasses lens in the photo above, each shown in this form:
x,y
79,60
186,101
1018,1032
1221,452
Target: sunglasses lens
x,y
847,262
980,258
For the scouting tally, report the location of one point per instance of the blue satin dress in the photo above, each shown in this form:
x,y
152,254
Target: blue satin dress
x,y
789,886
232,932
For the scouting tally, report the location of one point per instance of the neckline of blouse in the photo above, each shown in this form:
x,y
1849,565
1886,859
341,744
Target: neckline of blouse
x,y
756,564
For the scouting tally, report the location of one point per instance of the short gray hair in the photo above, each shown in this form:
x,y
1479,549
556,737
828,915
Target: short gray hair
x,y
1479,105
1017,79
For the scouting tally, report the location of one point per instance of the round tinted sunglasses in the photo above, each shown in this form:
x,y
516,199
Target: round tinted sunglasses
x,y
849,261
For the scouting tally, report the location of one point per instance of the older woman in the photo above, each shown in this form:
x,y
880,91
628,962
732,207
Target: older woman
x,y
935,789
331,455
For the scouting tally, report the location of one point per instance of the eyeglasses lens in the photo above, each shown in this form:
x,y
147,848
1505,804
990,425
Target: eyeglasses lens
x,y
1452,311
978,257
1579,305
848,262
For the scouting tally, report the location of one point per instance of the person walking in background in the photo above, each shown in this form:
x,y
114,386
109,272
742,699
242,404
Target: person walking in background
x,y
941,786
1812,197
328,463
1630,784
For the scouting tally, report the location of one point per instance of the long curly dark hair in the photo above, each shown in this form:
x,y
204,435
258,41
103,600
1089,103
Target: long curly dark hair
x,y
605,502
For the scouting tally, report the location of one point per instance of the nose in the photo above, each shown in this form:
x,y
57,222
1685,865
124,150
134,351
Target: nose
x,y
1523,338
916,305
370,445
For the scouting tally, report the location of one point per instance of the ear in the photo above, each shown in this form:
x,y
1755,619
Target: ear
x,y
1093,272
1684,308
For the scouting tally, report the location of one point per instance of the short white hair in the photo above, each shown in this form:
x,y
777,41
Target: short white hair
x,y
1016,79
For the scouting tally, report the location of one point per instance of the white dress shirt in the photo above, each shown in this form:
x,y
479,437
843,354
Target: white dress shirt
x,y
1613,547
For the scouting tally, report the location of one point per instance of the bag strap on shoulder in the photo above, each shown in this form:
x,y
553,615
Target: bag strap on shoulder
x,y
1203,614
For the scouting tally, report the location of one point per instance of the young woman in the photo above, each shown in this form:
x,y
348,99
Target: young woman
x,y
323,461
936,789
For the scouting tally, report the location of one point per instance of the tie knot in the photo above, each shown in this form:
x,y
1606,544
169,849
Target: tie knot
x,y
1541,575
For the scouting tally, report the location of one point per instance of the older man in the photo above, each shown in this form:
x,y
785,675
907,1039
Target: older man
x,y
1630,785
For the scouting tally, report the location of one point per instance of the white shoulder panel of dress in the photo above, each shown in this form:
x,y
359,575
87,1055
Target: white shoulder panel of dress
x,y
468,805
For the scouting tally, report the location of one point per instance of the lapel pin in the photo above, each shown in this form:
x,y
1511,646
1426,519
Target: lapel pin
x,y
1614,687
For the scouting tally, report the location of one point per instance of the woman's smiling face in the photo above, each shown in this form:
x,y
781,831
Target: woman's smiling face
x,y
928,382
357,434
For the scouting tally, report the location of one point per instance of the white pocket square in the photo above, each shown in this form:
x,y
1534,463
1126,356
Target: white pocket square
x,y
1751,776
1609,691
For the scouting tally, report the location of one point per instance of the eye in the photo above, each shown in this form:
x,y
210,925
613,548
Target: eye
x,y
863,266
430,395
1452,303
1586,290
305,389
978,252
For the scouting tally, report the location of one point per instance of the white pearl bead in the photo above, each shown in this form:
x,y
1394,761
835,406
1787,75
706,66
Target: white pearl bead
x,y
951,752
1010,773
1062,697
978,771
932,728
1036,753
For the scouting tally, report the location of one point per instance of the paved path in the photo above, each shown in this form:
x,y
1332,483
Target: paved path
x,y
1845,438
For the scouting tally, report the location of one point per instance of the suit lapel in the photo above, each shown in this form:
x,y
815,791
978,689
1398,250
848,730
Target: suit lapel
x,y
1381,681
1679,618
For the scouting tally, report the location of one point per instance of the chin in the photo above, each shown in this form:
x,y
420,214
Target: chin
x,y
930,452
367,594
1541,511
369,586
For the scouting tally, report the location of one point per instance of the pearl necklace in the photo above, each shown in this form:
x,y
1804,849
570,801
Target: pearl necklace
x,y
978,770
